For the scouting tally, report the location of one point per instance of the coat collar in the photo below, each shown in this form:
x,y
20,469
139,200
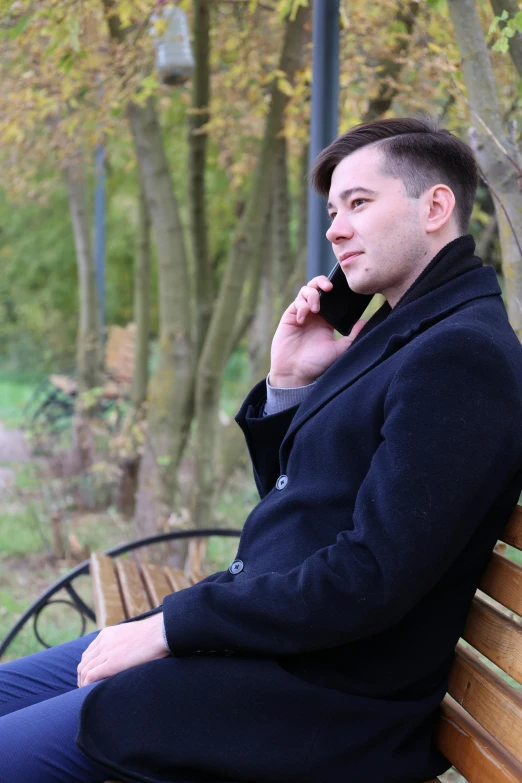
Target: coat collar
x,y
388,336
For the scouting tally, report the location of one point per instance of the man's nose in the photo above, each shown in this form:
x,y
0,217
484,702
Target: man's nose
x,y
339,230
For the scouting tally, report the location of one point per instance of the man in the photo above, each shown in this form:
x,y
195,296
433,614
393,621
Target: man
x,y
387,462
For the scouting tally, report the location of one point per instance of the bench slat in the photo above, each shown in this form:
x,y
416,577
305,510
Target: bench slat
x,y
512,535
176,578
135,596
155,582
196,576
502,581
108,602
490,700
194,571
471,750
496,636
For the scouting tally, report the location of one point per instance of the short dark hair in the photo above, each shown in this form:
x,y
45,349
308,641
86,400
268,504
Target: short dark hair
x,y
417,151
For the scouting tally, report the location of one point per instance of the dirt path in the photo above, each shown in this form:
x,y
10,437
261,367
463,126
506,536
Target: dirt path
x,y
13,448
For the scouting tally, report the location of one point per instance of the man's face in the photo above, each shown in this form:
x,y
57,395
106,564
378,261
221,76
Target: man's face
x,y
374,219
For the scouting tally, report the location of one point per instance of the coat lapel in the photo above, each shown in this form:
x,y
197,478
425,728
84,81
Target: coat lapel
x,y
389,336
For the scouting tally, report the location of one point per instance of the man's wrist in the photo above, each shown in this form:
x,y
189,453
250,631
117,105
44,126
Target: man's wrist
x,y
157,633
164,633
288,381
279,398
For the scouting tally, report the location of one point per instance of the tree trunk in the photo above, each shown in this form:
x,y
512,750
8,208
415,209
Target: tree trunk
x,y
141,305
288,268
272,295
391,65
283,258
500,166
247,238
88,355
247,308
231,441
203,273
261,331
299,273
171,387
129,463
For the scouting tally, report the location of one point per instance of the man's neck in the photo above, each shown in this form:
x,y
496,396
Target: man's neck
x,y
433,249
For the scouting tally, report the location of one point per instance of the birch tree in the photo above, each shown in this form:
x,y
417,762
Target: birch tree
x,y
496,150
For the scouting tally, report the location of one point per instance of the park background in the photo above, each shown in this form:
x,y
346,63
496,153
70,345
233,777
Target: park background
x,y
202,176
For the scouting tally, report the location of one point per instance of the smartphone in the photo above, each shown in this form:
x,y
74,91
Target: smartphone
x,y
341,307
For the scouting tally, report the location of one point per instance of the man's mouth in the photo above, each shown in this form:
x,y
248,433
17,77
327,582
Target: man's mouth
x,y
345,258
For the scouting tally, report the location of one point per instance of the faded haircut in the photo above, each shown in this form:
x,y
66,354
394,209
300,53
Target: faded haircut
x,y
417,151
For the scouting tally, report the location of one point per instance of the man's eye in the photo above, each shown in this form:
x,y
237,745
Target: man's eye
x,y
357,201
332,216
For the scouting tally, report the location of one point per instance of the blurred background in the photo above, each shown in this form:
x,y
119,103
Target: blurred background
x,y
154,223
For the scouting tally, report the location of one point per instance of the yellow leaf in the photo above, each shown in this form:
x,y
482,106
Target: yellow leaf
x,y
285,87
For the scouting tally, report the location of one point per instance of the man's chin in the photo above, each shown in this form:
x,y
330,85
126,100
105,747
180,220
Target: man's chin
x,y
359,287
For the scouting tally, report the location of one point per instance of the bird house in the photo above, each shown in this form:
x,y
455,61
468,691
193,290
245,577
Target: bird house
x,y
174,60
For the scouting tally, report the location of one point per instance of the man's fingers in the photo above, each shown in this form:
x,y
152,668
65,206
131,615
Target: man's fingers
x,y
320,282
356,328
96,673
92,652
306,301
86,666
91,649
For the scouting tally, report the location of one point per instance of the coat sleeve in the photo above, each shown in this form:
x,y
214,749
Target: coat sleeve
x,y
452,425
263,435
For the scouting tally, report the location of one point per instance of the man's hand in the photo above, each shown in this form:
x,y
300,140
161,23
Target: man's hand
x,y
304,345
121,647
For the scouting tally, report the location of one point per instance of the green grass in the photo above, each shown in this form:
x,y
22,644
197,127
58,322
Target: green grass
x,y
27,477
14,395
19,533
220,553
57,623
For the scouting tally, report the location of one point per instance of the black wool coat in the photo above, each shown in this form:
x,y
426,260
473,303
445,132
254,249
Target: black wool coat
x,y
323,655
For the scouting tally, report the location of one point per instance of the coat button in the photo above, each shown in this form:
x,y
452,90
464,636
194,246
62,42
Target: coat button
x,y
281,482
236,567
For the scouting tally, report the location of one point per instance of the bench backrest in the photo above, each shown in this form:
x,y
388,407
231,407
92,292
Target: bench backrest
x,y
480,730
120,353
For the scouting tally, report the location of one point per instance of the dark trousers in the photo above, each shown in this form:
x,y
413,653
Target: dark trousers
x,y
39,715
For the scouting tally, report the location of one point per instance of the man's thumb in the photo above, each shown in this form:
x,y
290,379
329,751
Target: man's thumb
x,y
356,328
344,342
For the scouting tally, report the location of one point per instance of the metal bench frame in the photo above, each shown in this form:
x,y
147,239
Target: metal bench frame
x,y
66,583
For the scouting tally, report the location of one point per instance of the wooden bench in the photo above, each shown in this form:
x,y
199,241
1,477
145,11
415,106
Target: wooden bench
x,y
480,726
120,352
126,587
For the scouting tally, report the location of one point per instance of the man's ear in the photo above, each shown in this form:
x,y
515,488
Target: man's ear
x,y
439,207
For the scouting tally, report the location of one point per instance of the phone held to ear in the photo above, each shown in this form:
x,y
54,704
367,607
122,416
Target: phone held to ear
x,y
341,307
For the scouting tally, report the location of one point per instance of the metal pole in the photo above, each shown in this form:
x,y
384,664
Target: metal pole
x,y
323,125
99,219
